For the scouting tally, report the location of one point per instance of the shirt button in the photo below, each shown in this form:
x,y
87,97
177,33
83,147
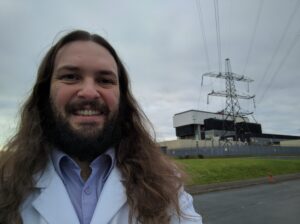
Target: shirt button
x,y
87,190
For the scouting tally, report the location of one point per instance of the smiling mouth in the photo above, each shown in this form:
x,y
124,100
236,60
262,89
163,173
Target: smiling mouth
x,y
88,112
87,108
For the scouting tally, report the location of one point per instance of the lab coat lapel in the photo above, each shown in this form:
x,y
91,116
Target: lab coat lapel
x,y
53,203
112,198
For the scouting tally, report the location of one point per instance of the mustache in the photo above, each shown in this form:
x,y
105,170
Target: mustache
x,y
80,104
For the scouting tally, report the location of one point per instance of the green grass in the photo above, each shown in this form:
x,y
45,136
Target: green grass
x,y
206,171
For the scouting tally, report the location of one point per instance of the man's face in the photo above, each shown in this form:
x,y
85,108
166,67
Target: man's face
x,y
84,89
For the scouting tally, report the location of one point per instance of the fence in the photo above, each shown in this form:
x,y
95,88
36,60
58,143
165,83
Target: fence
x,y
233,151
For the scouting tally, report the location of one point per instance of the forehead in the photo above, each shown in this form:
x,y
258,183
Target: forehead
x,y
85,54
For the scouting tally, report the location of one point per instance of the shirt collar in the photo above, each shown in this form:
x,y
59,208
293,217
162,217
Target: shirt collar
x,y
57,157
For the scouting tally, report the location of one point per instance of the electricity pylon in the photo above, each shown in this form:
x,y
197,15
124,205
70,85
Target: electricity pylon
x,y
232,109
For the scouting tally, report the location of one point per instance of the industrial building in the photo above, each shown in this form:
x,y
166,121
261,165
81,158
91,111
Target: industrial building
x,y
231,126
202,125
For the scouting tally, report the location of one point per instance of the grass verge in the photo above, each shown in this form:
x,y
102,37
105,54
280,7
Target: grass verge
x,y
207,171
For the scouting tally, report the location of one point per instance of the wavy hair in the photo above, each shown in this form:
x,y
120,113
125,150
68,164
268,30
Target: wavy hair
x,y
152,181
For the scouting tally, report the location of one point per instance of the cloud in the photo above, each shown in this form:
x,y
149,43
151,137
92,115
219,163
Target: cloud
x,y
161,45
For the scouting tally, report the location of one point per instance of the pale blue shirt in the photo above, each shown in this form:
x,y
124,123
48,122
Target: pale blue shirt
x,y
84,195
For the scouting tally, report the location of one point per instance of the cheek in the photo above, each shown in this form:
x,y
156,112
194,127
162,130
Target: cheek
x,y
60,96
112,100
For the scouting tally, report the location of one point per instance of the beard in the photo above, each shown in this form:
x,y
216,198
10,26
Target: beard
x,y
89,141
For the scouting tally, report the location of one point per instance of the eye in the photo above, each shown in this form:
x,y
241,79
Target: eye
x,y
106,81
69,77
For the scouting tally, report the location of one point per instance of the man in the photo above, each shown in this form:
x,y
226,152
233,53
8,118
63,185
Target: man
x,y
83,153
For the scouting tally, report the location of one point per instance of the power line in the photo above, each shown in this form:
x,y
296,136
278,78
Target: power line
x,y
294,42
199,10
284,33
200,14
229,28
216,6
253,35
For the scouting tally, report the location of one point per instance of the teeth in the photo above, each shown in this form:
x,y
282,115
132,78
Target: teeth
x,y
88,112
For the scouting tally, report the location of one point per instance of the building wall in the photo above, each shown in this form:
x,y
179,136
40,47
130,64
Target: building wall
x,y
192,117
292,143
197,117
184,143
192,144
217,133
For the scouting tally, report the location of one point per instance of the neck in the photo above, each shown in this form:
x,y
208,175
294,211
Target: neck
x,y
85,169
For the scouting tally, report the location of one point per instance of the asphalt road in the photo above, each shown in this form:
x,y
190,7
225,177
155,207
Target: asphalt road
x,y
277,203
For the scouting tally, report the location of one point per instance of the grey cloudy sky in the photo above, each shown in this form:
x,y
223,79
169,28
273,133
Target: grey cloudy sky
x,y
161,44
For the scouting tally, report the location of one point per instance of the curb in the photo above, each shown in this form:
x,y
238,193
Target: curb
x,y
200,189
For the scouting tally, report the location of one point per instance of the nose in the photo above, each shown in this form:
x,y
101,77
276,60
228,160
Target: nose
x,y
88,90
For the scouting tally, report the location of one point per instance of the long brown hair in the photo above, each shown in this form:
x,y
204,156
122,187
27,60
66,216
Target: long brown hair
x,y
152,181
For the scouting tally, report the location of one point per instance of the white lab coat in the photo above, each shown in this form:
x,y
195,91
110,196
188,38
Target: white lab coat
x,y
50,203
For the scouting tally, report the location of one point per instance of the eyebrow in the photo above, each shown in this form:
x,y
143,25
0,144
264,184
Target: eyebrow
x,y
68,67
75,68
